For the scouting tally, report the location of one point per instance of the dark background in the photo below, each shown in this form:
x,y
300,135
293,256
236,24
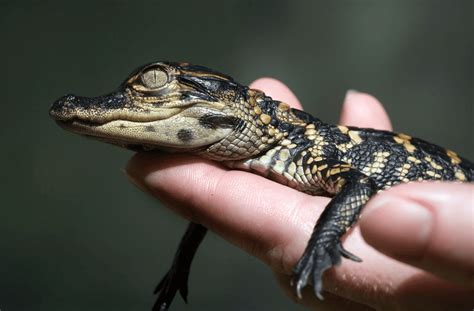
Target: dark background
x,y
76,235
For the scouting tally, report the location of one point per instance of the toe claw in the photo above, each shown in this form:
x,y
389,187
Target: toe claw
x,y
318,286
314,262
299,287
346,254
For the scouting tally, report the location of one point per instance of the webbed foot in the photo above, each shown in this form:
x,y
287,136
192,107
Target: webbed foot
x,y
175,280
177,277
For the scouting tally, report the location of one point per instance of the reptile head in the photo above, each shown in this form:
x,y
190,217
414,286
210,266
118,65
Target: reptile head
x,y
171,106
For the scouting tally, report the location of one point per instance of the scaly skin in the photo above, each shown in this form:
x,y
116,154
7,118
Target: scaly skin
x,y
178,107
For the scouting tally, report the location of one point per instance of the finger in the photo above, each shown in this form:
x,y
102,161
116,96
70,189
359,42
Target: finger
x,y
364,110
427,225
277,90
254,213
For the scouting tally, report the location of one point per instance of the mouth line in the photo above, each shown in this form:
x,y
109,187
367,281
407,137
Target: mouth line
x,y
95,123
77,121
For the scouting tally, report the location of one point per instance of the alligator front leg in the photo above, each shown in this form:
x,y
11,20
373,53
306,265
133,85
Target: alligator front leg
x,y
177,277
324,248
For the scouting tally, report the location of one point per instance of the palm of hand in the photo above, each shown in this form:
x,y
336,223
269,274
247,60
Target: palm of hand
x,y
274,222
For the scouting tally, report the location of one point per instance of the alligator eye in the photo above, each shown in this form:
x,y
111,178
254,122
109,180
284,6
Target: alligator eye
x,y
154,78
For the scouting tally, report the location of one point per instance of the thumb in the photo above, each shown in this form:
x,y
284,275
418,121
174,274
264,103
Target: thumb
x,y
427,225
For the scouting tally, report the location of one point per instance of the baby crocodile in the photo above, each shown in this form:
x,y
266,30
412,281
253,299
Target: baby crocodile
x,y
179,107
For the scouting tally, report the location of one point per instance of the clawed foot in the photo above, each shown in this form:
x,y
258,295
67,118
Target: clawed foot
x,y
314,262
173,281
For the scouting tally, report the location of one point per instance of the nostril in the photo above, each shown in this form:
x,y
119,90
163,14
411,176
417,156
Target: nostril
x,y
66,100
61,105
69,97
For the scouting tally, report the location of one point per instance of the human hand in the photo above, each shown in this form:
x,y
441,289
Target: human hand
x,y
274,222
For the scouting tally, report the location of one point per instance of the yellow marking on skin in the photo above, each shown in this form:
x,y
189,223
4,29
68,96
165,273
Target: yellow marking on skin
x,y
265,118
285,142
317,159
310,132
271,152
413,159
334,171
404,136
347,160
409,147
430,173
283,106
291,146
310,160
455,159
292,169
288,176
312,137
355,137
404,140
279,166
339,183
310,126
284,154
344,147
257,109
460,176
314,169
253,102
271,131
433,163
265,160
343,129
322,167
378,163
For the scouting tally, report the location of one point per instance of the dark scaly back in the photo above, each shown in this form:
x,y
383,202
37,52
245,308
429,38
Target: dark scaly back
x,y
392,158
463,168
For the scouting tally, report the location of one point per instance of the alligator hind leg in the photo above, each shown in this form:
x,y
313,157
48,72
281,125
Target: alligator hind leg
x,y
177,277
324,248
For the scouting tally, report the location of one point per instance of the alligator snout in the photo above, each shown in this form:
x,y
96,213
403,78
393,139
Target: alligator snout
x,y
70,107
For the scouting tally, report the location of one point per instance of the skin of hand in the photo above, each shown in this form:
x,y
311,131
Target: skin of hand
x,y
416,240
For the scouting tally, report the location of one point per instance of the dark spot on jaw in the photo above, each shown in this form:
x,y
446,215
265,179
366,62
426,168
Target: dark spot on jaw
x,y
122,126
150,128
185,135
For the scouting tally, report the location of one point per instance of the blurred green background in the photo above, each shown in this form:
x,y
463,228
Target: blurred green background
x,y
76,235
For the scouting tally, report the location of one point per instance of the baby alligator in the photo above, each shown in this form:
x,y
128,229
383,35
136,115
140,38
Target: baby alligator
x,y
179,107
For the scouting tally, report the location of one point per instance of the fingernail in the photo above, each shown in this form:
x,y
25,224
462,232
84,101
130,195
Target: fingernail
x,y
396,226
